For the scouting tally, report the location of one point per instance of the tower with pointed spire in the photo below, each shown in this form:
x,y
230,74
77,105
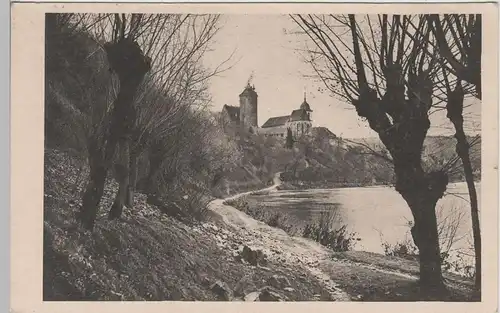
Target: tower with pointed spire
x,y
306,107
300,120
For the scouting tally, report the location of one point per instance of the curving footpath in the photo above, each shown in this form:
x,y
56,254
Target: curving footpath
x,y
276,243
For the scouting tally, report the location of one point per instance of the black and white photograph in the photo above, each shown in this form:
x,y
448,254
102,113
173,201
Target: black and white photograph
x,y
263,157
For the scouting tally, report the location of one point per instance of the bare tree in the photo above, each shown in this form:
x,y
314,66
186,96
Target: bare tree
x,y
455,114
458,40
449,223
79,86
459,43
145,52
390,80
179,90
127,60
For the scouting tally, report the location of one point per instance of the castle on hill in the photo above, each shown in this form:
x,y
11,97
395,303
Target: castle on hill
x,y
245,116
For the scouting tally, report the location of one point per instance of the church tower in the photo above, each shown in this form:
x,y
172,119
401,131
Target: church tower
x,y
248,107
306,107
300,121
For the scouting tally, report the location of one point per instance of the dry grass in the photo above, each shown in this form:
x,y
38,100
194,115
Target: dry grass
x,y
322,229
270,217
370,276
144,256
375,277
149,256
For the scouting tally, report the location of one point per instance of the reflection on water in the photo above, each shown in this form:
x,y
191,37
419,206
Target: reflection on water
x,y
376,214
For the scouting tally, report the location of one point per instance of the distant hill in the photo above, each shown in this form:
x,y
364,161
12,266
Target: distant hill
x,y
326,160
438,150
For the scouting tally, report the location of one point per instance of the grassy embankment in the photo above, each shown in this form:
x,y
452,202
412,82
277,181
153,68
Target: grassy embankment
x,y
148,255
368,276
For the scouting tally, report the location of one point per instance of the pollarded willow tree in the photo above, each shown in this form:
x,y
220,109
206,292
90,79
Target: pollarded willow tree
x,y
458,40
171,96
382,66
148,54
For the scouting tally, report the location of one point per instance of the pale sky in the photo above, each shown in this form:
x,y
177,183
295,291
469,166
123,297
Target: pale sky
x,y
261,46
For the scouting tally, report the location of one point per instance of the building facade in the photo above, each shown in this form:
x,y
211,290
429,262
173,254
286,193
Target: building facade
x,y
299,122
248,108
245,116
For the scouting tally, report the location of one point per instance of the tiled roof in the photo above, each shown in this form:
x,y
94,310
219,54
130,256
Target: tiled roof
x,y
233,112
276,121
299,115
323,132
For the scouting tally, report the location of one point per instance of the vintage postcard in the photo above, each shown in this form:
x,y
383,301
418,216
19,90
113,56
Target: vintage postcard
x,y
217,156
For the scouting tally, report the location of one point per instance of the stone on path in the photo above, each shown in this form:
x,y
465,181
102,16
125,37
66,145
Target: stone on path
x,y
278,281
222,291
254,257
269,294
244,285
252,296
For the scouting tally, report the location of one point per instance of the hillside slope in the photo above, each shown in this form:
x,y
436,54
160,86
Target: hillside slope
x,y
147,255
150,256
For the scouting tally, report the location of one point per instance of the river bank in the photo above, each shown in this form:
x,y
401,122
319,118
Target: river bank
x,y
372,219
363,276
306,185
229,256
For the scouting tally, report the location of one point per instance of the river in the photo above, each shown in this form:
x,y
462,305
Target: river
x,y
376,214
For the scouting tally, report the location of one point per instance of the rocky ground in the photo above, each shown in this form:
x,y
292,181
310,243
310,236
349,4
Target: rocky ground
x,y
147,255
352,275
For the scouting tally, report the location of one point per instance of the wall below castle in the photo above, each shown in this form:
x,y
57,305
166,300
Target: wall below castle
x,y
278,131
299,128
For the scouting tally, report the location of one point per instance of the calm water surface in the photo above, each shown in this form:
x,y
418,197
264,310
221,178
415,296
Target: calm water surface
x,y
376,214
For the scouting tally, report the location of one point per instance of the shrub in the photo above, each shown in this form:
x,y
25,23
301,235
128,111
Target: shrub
x,y
404,249
274,219
324,231
281,221
239,203
454,260
196,203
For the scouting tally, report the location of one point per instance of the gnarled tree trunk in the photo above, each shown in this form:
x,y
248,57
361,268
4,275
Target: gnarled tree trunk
x,y
122,171
133,180
403,134
395,98
422,191
454,109
128,62
95,187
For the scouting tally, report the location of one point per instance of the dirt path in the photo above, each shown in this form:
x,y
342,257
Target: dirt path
x,y
350,276
276,243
